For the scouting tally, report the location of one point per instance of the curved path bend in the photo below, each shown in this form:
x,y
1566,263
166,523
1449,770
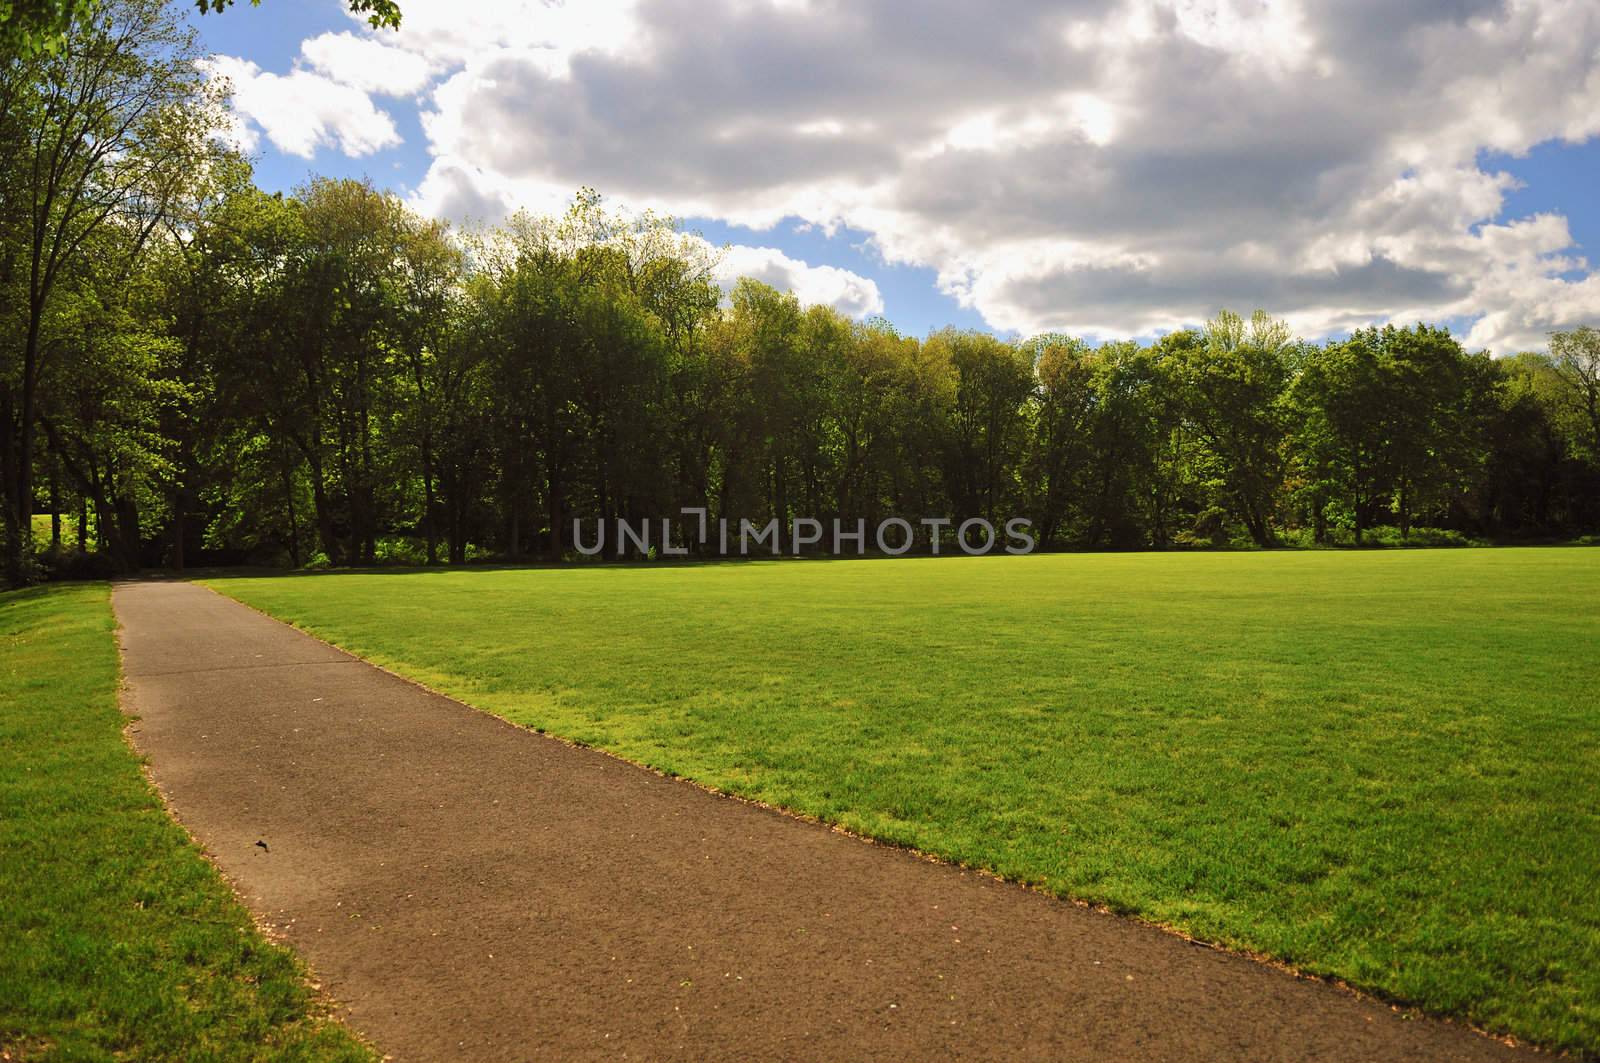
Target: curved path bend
x,y
467,889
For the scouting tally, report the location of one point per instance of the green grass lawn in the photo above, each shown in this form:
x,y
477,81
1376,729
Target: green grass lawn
x,y
117,939
41,531
1383,767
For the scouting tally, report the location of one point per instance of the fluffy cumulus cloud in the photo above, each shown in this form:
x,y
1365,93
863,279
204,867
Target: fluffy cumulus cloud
x,y
849,293
1101,166
302,111
367,64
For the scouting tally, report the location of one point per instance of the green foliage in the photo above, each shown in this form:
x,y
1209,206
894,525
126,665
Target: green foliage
x,y
103,137
1388,535
117,939
203,373
31,28
993,381
1575,357
1389,419
1232,387
1379,766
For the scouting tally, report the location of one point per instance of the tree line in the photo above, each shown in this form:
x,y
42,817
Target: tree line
x,y
195,371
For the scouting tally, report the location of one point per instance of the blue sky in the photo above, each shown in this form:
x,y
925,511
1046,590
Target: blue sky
x,y
1172,157
1561,178
911,295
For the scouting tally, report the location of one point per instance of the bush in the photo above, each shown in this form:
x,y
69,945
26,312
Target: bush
x,y
1210,530
399,550
1384,536
70,563
1387,535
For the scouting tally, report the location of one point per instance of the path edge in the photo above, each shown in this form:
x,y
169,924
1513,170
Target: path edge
x,y
325,1007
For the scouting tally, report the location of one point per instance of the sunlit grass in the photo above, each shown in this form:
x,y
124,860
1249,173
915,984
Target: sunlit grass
x,y
1383,767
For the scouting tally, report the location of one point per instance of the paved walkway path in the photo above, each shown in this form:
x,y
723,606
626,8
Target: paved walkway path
x,y
466,889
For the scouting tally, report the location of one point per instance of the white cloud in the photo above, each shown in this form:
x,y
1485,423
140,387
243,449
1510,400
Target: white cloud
x,y
1109,166
302,111
546,33
847,292
366,64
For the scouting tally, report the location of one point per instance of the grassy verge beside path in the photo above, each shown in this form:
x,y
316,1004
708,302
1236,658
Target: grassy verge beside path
x,y
117,939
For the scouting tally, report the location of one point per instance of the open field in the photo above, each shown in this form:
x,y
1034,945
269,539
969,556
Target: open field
x,y
69,531
117,939
1379,767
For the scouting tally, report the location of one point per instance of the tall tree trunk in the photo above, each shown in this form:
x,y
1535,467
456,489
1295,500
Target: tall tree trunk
x,y
105,527
319,501
179,503
430,529
1097,527
449,482
1255,519
555,502
458,547
780,499
369,502
294,523
55,511
458,520
514,498
129,545
20,533
429,516
8,487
